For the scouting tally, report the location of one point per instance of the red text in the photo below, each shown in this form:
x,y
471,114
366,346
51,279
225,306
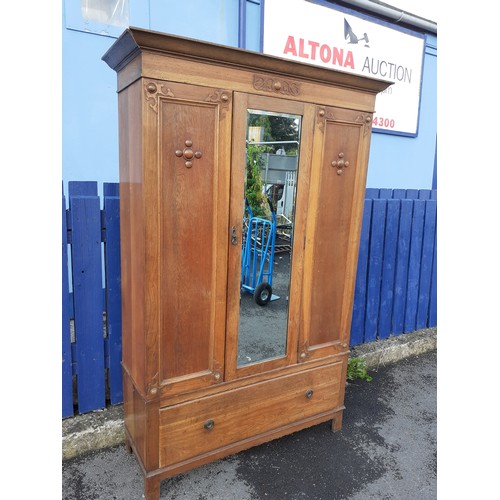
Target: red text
x,y
382,122
308,49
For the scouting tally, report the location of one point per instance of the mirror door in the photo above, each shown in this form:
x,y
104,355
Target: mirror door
x,y
269,191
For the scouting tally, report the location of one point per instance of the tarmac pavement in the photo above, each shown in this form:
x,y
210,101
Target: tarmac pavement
x,y
386,448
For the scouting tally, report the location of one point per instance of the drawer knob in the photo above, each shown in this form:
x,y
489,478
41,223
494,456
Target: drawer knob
x,y
209,425
309,393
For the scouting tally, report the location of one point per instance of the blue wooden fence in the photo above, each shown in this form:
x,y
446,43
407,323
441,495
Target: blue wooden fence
x,y
395,285
91,343
396,278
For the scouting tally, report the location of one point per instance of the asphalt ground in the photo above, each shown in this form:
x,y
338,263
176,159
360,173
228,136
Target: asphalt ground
x,y
387,449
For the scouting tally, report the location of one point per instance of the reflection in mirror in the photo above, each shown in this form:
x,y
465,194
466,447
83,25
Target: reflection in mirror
x,y
267,237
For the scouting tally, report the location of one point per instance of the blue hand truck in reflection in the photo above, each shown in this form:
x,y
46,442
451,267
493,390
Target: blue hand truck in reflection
x,y
258,256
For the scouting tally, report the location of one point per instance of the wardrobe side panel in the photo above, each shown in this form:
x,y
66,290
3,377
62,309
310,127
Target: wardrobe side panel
x,y
132,232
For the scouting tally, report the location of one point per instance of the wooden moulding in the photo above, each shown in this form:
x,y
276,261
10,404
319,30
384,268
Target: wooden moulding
x,y
139,52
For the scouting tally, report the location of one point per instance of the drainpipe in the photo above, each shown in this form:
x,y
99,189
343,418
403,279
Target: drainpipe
x,y
395,14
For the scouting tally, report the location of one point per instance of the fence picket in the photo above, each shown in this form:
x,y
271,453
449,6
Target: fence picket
x,y
426,264
385,193
113,290
87,291
417,228
399,194
371,193
433,298
359,306
400,284
375,269
389,268
433,302
67,377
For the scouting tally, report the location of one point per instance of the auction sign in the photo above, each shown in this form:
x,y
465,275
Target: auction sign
x,y
318,34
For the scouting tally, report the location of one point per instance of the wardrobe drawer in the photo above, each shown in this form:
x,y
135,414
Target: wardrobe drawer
x,y
207,424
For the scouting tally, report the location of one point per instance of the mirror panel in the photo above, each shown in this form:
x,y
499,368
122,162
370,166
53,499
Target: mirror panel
x,y
268,210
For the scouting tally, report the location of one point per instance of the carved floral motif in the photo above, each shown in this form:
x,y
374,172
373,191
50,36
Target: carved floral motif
x,y
323,115
366,120
220,96
152,387
188,154
153,93
340,164
277,86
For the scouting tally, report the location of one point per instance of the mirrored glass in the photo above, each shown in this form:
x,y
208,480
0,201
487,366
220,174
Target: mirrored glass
x,y
272,150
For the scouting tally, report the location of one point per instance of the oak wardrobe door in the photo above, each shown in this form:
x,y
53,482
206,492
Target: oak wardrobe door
x,y
193,152
338,179
279,319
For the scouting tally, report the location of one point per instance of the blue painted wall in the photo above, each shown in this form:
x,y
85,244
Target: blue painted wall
x,y
213,21
89,100
408,162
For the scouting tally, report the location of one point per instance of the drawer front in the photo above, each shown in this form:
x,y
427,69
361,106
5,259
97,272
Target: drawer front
x,y
196,427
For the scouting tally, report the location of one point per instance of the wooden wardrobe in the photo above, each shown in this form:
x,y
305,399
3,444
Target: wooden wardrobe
x,y
196,387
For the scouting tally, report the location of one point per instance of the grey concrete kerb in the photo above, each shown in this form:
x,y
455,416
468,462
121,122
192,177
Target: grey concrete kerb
x,y
384,352
104,428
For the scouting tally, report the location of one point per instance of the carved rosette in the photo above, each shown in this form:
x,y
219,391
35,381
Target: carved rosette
x,y
340,164
188,154
323,115
219,96
275,85
153,91
304,352
152,388
217,373
366,120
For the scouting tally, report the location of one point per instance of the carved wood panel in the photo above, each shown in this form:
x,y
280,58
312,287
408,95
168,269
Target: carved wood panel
x,y
338,149
193,192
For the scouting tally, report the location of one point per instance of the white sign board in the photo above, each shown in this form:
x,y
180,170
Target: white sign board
x,y
343,40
